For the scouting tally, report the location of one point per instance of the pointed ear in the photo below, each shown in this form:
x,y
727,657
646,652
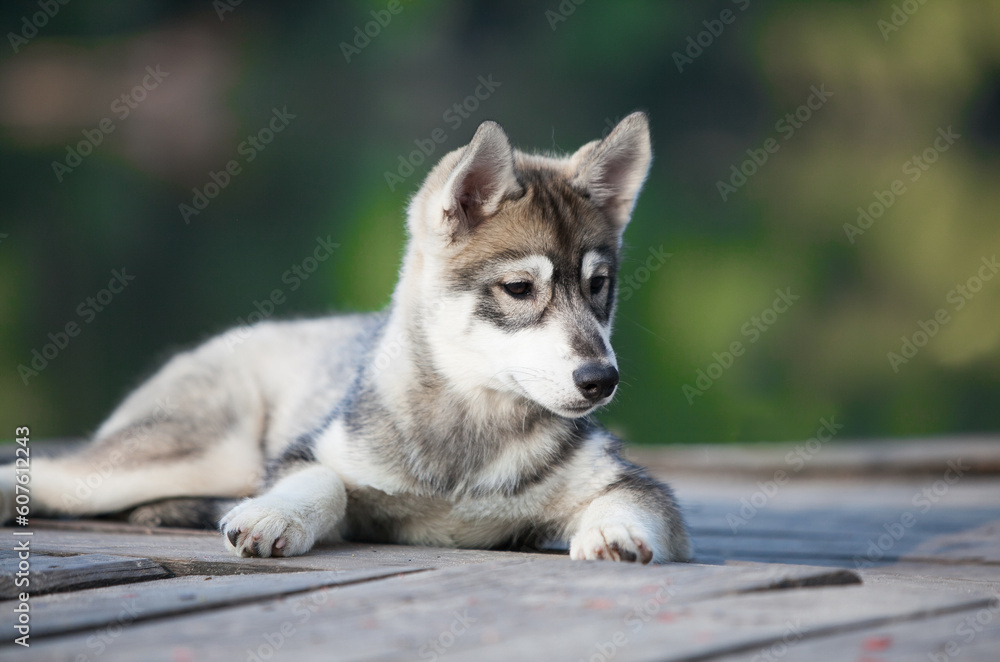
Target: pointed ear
x,y
483,177
613,170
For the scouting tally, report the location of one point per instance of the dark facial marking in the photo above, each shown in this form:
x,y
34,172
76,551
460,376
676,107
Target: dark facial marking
x,y
552,219
588,344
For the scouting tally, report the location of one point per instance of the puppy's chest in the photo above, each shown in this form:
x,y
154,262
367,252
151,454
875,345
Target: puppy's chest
x,y
424,519
464,508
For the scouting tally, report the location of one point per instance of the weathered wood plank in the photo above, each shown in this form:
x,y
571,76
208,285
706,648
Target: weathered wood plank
x,y
115,526
190,555
531,609
980,544
960,577
848,458
716,515
779,545
968,636
746,626
891,542
203,553
109,608
49,574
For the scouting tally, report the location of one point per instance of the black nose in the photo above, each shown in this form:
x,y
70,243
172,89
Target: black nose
x,y
596,381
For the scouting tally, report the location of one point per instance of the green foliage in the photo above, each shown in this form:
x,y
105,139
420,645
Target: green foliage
x,y
861,291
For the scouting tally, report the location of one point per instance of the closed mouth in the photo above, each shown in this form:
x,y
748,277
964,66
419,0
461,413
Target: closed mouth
x,y
579,409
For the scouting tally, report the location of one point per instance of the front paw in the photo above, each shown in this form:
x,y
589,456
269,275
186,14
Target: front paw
x,y
610,541
258,528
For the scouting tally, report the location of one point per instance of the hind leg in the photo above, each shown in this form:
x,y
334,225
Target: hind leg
x,y
132,468
193,430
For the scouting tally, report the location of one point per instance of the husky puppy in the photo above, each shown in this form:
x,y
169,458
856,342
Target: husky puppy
x,y
457,417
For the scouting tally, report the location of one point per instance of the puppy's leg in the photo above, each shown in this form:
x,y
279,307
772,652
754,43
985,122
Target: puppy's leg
x,y
305,505
113,474
193,430
632,518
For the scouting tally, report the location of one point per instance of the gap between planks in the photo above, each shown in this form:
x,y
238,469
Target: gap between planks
x,y
535,609
104,607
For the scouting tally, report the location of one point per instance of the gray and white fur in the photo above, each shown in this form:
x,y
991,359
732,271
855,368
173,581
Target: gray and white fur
x,y
459,416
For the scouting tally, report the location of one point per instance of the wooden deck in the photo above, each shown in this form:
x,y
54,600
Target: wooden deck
x,y
865,552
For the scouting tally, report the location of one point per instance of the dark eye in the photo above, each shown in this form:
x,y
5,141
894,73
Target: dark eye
x,y
518,290
597,284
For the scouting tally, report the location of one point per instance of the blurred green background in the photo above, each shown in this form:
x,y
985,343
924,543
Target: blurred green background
x,y
715,84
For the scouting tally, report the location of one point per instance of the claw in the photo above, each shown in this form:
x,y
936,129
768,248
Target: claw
x,y
623,554
645,553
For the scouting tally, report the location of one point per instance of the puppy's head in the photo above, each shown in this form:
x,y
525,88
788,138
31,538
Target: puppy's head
x,y
515,258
